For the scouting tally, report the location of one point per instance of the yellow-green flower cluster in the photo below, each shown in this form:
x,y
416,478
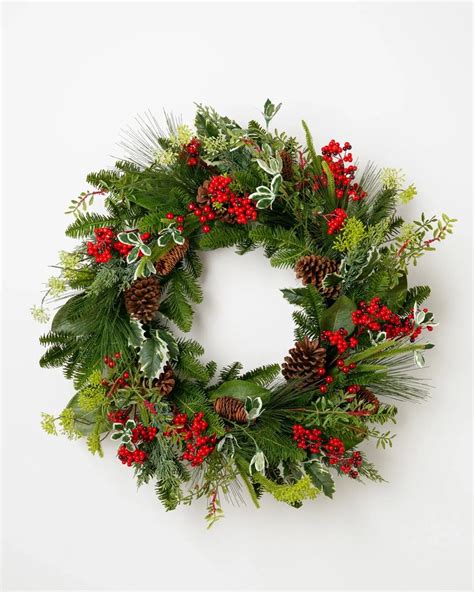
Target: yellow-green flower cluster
x,y
40,314
299,491
48,424
213,146
93,394
407,231
67,421
183,136
165,157
392,178
350,236
56,286
93,444
407,194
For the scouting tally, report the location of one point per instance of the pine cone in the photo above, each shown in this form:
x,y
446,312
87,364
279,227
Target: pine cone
x,y
231,409
220,211
365,396
165,381
202,195
303,361
142,299
167,263
287,168
312,269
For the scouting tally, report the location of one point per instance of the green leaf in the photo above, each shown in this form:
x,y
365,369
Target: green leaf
x,y
339,315
173,349
128,238
137,334
276,184
320,477
133,255
240,389
62,320
83,420
330,177
153,356
395,297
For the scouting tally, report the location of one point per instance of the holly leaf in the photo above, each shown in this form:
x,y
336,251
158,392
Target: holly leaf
x,y
240,389
265,202
321,477
339,315
133,255
128,238
153,356
145,249
173,349
137,334
276,184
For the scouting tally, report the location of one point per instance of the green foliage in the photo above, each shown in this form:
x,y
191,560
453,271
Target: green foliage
x,y
290,494
417,294
283,246
182,288
320,477
373,251
191,398
188,366
91,326
92,394
308,319
263,375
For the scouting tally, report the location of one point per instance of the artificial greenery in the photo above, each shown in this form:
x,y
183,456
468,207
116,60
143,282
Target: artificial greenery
x,y
198,431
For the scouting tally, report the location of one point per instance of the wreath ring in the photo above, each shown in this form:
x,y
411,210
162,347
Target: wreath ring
x,y
283,429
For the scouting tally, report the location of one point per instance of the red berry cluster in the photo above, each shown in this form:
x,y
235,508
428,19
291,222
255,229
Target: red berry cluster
x,y
141,433
178,219
319,181
337,156
336,220
130,457
110,361
376,316
241,209
349,464
101,249
339,339
192,151
119,416
307,439
332,449
198,446
124,249
105,241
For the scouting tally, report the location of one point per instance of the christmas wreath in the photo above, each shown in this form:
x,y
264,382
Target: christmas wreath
x,y
284,429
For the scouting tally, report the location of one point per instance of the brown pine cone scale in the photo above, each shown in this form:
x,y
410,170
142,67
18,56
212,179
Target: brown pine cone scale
x,y
312,269
142,299
303,361
366,397
231,409
168,262
165,381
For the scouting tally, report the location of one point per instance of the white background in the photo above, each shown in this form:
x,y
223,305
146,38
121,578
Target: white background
x,y
392,79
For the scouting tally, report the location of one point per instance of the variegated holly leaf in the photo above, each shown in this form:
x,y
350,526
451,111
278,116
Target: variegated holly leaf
x,y
173,349
154,354
129,238
133,255
272,166
170,233
320,476
137,334
276,184
254,408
